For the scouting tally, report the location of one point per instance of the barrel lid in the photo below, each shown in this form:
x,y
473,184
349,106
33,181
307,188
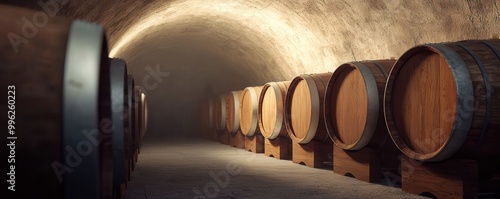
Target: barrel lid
x,y
427,111
303,109
233,101
220,112
352,106
270,121
248,113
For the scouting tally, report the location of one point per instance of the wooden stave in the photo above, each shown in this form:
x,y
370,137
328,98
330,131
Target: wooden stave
x,y
254,93
375,73
51,128
49,55
233,103
279,127
318,83
455,146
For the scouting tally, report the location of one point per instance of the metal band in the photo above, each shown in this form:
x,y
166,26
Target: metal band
x,y
118,73
280,104
138,116
236,112
253,98
146,113
487,84
315,109
210,113
279,117
223,113
144,105
130,113
288,109
325,85
381,69
493,48
80,110
373,106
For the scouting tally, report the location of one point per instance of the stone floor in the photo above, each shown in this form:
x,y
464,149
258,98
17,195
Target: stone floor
x,y
211,170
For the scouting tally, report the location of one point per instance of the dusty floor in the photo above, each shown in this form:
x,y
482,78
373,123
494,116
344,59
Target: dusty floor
x,y
186,170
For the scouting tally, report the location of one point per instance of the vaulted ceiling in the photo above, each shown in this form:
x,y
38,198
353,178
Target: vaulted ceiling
x,y
213,46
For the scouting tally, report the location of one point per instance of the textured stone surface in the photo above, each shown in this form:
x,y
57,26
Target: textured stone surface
x,y
179,170
247,43
214,46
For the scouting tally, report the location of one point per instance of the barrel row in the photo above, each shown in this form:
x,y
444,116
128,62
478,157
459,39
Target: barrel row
x,y
79,116
436,102
129,121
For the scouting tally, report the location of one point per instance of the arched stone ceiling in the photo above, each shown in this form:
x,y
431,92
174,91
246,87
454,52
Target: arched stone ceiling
x,y
214,46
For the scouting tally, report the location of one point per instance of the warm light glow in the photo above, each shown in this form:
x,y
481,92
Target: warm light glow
x,y
289,36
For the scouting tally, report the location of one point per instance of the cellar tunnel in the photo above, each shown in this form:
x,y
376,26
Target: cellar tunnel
x,y
210,47
183,52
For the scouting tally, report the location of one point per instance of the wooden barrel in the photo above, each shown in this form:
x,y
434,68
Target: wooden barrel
x,y
206,119
271,109
233,101
131,124
249,111
144,114
304,108
119,97
139,117
220,113
443,100
210,113
56,97
353,104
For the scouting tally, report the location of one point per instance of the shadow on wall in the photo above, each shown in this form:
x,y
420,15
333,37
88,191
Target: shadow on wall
x,y
176,81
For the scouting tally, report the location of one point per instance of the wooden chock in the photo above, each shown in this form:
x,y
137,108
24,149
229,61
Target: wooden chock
x,y
255,143
224,138
313,154
453,178
237,140
279,148
364,164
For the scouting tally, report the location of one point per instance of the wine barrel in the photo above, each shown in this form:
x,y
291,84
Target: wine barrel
x,y
443,100
210,114
139,117
271,109
57,97
220,113
118,79
249,111
353,104
206,118
131,124
233,101
304,108
144,113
